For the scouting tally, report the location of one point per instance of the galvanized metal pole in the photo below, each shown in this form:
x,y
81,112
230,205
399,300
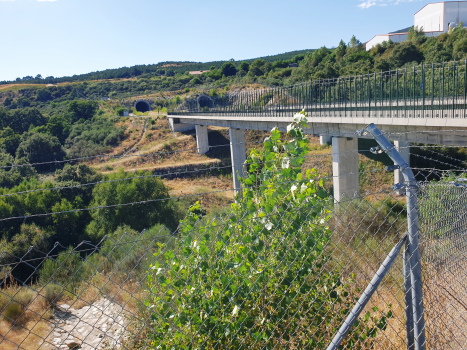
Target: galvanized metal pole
x,y
408,299
413,236
366,296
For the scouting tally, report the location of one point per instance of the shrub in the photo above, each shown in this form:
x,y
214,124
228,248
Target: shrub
x,y
262,278
65,271
13,311
120,111
15,305
52,293
93,137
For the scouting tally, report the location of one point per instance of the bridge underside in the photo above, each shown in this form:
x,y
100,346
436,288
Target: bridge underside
x,y
438,131
340,131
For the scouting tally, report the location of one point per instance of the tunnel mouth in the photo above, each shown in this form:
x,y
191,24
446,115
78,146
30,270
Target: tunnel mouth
x,y
142,106
205,101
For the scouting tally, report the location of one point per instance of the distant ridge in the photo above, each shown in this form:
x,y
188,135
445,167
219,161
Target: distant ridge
x,y
161,68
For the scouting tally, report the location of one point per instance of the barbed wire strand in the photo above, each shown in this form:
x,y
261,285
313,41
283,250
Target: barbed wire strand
x,y
167,199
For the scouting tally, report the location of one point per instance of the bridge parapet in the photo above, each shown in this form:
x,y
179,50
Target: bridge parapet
x,y
425,104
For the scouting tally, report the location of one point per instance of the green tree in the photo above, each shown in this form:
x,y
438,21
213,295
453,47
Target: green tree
x,y
415,33
9,140
137,216
8,101
228,69
23,102
403,53
340,50
460,49
82,110
244,66
355,45
59,126
43,95
256,68
73,175
21,120
40,148
10,177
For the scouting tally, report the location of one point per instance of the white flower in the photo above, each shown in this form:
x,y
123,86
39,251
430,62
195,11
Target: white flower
x,y
293,188
321,221
303,188
285,163
235,310
269,226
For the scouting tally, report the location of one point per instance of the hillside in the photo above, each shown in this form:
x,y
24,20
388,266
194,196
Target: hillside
x,y
48,125
168,68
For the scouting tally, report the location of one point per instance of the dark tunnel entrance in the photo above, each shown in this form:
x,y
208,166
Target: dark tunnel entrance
x,y
205,101
142,106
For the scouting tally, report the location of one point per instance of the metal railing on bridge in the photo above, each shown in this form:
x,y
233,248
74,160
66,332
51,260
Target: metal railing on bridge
x,y
423,91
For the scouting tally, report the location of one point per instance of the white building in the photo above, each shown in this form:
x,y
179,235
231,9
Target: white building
x,y
435,18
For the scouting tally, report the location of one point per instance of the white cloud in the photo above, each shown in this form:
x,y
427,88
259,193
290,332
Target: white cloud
x,y
370,3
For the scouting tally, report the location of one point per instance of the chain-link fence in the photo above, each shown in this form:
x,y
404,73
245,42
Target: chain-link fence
x,y
286,267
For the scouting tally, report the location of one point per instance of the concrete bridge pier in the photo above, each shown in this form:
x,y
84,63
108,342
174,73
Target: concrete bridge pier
x,y
202,139
404,149
345,168
238,153
325,140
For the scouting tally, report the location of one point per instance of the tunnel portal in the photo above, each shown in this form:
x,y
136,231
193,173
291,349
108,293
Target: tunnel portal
x,y
142,106
205,101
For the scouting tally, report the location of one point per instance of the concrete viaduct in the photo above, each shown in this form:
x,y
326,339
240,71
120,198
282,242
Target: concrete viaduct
x,y
340,132
419,105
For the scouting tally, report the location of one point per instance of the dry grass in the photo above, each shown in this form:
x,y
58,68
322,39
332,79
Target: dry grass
x,y
24,318
34,325
17,87
446,306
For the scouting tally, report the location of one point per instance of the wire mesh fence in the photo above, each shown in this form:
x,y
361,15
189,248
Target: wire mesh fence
x,y
213,285
283,268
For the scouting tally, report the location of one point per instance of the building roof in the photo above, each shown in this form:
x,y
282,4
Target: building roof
x,y
402,31
438,2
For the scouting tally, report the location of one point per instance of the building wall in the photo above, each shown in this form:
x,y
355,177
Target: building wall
x,y
379,39
455,11
431,18
434,18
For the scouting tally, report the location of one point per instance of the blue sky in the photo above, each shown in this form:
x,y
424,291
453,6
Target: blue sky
x,y
66,37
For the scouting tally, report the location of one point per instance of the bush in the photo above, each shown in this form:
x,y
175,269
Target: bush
x,y
13,311
138,216
15,305
53,292
39,148
82,110
93,137
65,271
120,111
262,278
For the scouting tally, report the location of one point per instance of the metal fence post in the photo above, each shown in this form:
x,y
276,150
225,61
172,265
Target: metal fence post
x,y
366,296
413,252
